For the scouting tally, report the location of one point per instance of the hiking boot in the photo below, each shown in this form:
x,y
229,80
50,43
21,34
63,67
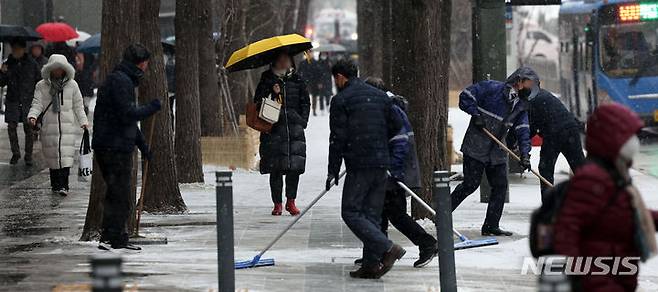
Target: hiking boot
x,y
291,208
486,231
426,255
367,272
395,253
278,208
14,159
63,192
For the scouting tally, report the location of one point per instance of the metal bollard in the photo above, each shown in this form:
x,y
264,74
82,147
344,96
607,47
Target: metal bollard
x,y
225,252
106,273
443,220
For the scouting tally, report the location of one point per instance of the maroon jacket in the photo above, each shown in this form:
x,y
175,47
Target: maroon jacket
x,y
596,219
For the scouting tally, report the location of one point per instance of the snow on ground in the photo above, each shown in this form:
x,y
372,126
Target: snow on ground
x,y
252,190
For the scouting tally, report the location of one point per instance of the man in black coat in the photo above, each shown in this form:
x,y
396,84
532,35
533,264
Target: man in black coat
x,y
20,73
362,121
560,132
115,136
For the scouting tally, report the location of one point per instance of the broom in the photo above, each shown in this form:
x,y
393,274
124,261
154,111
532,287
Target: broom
x,y
257,261
465,242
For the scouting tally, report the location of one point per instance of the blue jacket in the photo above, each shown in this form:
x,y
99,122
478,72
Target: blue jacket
x,y
117,113
362,121
489,99
404,158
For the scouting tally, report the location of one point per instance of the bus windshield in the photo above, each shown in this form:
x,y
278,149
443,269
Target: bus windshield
x,y
629,50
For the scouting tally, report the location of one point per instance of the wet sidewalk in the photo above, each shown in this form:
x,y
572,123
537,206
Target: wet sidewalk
x,y
39,236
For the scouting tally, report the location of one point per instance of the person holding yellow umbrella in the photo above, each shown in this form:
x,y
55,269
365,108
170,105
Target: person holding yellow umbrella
x,y
283,148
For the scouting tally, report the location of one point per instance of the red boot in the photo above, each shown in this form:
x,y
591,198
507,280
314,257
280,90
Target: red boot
x,y
291,208
278,208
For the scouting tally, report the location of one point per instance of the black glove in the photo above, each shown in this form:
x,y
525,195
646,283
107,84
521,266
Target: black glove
x,y
478,122
331,178
156,104
525,162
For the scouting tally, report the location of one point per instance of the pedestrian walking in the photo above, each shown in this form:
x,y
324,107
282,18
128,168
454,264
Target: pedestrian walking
x,y
85,67
283,149
61,48
324,81
317,74
560,131
603,215
36,52
58,101
362,121
20,74
115,136
404,168
497,107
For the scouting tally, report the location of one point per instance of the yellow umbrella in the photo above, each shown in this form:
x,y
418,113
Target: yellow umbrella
x,y
264,51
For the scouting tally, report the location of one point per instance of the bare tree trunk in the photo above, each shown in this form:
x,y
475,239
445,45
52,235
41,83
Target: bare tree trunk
x,y
188,124
162,194
210,102
235,19
302,16
387,48
422,76
119,29
371,42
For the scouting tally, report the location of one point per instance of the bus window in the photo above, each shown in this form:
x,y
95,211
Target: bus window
x,y
629,49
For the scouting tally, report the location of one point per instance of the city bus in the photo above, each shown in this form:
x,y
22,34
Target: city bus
x,y
609,53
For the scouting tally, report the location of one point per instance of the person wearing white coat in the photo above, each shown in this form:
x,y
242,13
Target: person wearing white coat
x,y
58,97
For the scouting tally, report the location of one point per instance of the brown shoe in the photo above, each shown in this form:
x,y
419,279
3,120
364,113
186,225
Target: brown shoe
x,y
367,272
395,253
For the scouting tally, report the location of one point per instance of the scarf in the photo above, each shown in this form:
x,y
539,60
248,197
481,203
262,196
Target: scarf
x,y
57,92
644,232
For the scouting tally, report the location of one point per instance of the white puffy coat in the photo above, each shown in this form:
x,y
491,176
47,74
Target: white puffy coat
x,y
61,132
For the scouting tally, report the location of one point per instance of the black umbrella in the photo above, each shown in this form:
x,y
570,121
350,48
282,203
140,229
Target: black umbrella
x,y
93,45
16,32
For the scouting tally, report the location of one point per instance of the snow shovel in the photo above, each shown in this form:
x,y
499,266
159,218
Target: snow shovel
x,y
511,153
465,242
257,261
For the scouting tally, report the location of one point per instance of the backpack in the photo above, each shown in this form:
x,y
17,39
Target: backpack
x,y
543,218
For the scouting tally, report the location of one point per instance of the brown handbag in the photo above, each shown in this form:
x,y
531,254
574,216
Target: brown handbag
x,y
254,122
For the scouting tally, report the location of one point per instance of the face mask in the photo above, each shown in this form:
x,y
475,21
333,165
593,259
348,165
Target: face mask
x,y
630,149
524,93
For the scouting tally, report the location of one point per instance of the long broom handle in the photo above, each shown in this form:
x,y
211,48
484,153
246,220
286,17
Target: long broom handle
x,y
144,178
294,221
501,144
421,202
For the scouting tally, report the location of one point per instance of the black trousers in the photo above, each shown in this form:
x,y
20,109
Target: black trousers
x,y
116,168
59,179
395,210
12,130
568,143
497,176
364,192
276,186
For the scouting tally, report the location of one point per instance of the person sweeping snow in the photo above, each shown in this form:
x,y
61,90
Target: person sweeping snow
x,y
362,121
496,107
57,99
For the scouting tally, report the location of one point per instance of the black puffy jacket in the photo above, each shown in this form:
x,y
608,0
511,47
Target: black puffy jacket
x,y
549,117
21,77
283,150
116,114
362,121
